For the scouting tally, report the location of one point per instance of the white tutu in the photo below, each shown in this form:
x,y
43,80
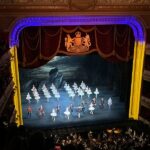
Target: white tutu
x,y
53,114
67,113
91,108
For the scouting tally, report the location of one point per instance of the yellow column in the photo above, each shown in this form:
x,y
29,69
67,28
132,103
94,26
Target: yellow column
x,y
15,75
137,71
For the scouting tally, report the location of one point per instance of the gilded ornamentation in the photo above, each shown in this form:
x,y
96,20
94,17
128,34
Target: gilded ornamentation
x,y
77,44
72,5
80,3
50,2
123,2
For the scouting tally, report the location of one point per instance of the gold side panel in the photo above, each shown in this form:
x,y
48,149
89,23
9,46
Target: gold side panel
x,y
15,75
137,71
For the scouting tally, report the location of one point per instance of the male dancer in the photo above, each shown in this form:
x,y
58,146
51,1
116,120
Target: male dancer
x,y
41,111
58,109
101,104
71,108
29,110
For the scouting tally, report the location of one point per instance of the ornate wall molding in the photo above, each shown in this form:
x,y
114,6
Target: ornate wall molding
x,y
73,5
123,2
77,2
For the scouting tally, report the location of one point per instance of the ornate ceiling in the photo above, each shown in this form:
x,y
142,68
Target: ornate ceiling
x,y
12,9
66,2
73,5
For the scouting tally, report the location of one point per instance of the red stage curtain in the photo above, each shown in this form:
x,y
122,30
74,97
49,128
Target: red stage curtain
x,y
39,44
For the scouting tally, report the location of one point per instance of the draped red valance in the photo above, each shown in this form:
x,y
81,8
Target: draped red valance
x,y
39,44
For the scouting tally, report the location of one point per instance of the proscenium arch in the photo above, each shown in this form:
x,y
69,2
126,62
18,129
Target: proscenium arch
x,y
138,58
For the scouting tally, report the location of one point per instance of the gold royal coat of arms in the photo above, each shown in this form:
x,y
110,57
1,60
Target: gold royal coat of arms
x,y
77,44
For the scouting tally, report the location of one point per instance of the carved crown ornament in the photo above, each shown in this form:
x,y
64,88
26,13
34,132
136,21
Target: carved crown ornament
x,y
77,44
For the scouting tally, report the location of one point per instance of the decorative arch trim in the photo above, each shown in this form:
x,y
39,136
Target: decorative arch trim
x,y
138,58
22,23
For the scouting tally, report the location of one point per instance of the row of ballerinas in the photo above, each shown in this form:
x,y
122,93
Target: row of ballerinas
x,y
69,109
80,109
67,113
74,90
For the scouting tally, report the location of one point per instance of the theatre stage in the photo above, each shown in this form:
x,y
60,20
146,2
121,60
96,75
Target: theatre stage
x,y
118,110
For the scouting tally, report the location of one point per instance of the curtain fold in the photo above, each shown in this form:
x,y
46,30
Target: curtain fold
x,y
39,44
105,41
50,42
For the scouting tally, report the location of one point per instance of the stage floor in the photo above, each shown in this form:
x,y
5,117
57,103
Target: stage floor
x,y
106,114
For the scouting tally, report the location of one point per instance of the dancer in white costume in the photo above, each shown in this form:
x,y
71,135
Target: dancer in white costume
x,y
33,88
67,113
53,114
109,102
36,95
28,98
89,92
96,92
91,108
